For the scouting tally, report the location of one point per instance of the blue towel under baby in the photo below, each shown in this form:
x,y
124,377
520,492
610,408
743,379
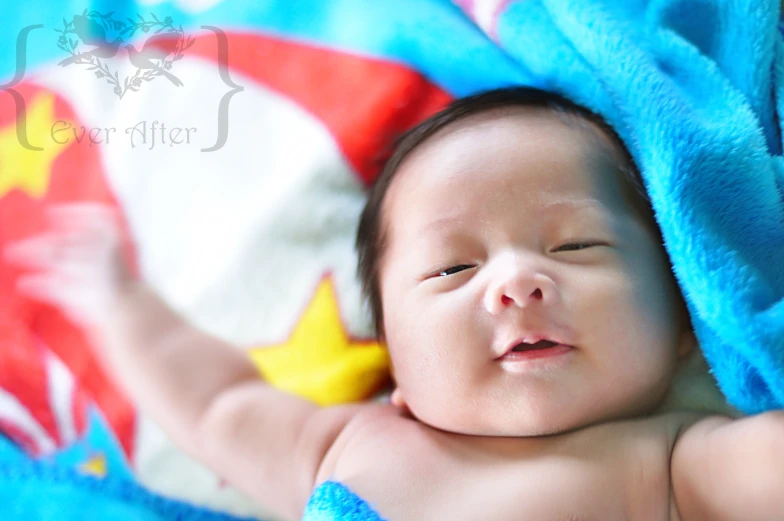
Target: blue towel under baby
x,y
333,501
36,491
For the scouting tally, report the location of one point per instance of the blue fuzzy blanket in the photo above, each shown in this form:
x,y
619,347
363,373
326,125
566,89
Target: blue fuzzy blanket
x,y
37,491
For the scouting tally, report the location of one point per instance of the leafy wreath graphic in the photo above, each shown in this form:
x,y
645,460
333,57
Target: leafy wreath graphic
x,y
154,60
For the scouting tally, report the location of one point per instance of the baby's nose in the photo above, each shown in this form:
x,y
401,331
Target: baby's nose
x,y
520,286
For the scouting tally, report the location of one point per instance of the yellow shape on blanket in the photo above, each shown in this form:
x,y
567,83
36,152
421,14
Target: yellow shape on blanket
x,y
319,361
25,169
95,466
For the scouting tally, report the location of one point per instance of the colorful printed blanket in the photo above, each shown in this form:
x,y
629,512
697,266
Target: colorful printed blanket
x,y
237,138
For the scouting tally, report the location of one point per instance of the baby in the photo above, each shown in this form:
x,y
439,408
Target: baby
x,y
518,278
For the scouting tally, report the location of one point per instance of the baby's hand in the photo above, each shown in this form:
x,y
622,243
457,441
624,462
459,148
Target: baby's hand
x,y
78,262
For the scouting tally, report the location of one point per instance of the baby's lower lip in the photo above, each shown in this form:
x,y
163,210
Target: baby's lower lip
x,y
534,354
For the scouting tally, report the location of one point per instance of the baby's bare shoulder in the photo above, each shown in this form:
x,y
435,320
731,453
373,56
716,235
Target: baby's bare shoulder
x,y
370,429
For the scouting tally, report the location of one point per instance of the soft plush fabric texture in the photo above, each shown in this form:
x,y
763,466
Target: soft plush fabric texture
x,y
334,501
35,491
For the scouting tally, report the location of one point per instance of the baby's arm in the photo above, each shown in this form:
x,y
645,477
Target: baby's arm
x,y
211,400
205,393
731,470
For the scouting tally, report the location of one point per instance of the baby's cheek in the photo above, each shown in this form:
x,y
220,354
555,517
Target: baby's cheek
x,y
617,317
603,299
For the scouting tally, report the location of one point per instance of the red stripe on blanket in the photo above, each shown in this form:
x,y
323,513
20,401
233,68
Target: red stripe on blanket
x,y
365,103
20,437
30,183
23,371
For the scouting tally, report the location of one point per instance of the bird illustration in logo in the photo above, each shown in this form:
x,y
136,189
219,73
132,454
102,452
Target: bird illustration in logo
x,y
91,33
154,48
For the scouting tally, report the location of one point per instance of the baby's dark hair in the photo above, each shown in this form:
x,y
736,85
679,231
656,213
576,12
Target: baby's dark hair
x,y
371,234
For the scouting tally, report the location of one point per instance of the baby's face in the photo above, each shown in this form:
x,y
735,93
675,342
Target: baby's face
x,y
510,227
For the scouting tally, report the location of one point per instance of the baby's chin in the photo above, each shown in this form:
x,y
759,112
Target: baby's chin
x,y
525,425
509,427
531,418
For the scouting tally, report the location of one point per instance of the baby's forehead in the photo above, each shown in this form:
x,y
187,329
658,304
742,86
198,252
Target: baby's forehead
x,y
544,133
554,134
527,135
556,121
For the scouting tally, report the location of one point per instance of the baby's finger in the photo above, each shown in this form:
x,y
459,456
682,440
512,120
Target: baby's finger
x,y
35,252
82,210
82,305
39,286
93,217
49,250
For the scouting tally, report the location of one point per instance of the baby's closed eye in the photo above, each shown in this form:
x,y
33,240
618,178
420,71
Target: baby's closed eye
x,y
578,245
455,269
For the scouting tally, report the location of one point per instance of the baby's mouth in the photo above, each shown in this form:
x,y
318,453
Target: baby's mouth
x,y
541,344
528,351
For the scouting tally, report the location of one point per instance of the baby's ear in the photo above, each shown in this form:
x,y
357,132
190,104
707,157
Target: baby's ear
x,y
396,398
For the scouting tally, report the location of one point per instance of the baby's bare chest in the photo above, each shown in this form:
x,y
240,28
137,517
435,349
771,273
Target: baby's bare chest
x,y
617,472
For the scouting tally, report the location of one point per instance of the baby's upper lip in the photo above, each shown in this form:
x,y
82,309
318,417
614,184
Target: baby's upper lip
x,y
530,338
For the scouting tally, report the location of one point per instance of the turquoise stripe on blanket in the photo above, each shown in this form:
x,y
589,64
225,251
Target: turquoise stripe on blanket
x,y
33,491
333,501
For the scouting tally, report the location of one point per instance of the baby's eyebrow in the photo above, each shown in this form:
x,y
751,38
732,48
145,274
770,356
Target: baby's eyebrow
x,y
578,208
562,208
575,205
441,222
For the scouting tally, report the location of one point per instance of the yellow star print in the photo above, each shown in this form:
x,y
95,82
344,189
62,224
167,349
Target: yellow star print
x,y
95,466
30,170
319,361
